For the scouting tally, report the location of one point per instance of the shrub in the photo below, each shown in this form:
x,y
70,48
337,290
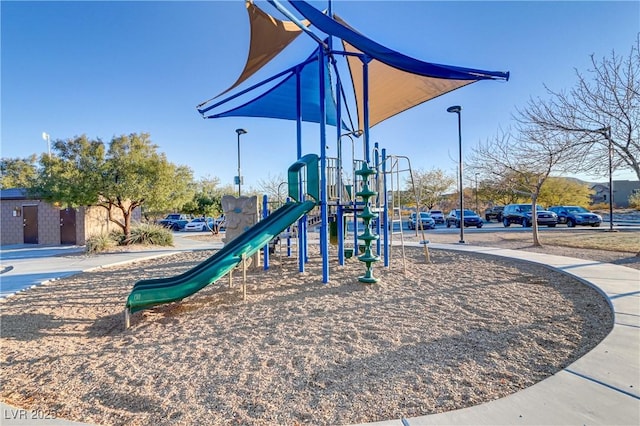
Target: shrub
x,y
117,236
99,243
149,234
634,200
600,207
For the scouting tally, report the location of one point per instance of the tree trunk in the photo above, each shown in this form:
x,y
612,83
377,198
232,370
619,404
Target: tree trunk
x,y
126,228
534,220
126,214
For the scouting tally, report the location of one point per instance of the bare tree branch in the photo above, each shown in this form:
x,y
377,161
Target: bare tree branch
x,y
607,96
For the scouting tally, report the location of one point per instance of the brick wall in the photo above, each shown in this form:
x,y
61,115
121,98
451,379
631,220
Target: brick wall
x,y
12,226
89,221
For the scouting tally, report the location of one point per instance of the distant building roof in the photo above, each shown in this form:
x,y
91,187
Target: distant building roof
x,y
13,194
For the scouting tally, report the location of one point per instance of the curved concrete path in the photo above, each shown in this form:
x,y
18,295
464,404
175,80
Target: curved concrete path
x,y
601,388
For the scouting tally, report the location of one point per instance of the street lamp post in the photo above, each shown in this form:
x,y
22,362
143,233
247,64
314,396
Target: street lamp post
x,y
456,109
606,132
239,177
47,138
477,207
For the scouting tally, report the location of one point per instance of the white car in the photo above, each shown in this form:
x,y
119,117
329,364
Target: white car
x,y
199,224
426,221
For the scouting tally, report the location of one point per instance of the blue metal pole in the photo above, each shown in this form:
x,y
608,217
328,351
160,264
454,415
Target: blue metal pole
x,y
365,101
288,236
376,159
265,213
339,208
302,229
385,212
324,217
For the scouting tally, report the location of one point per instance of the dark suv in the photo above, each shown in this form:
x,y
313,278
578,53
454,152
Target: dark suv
x,y
521,214
494,212
470,219
576,215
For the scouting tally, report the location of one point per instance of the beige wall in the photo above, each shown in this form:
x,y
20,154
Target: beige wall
x,y
12,228
89,221
96,221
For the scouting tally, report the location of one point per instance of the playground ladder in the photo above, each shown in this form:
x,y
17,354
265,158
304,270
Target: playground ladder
x,y
394,170
396,217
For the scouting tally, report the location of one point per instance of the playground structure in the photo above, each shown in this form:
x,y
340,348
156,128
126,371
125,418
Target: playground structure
x,y
385,83
153,292
305,93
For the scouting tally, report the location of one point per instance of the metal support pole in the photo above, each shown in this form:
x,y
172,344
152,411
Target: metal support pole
x,y
456,109
324,221
385,212
265,213
608,136
239,132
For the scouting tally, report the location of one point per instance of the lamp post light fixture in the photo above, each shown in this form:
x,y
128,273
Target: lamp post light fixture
x,y
606,132
456,109
47,138
239,177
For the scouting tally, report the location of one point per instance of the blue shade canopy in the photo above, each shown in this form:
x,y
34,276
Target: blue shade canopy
x,y
280,101
389,56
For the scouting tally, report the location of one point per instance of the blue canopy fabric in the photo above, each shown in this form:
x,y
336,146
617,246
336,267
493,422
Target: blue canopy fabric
x,y
395,82
388,56
280,100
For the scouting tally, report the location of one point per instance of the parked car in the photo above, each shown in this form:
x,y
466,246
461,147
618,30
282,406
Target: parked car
x,y
437,215
175,221
576,215
521,214
426,221
471,218
200,224
220,222
494,212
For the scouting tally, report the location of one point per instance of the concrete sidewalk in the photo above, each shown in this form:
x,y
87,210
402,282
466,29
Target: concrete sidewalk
x,y
603,387
24,266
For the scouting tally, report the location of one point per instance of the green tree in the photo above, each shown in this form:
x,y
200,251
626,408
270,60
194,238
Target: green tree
x,y
562,191
207,199
72,173
18,172
124,177
498,191
430,187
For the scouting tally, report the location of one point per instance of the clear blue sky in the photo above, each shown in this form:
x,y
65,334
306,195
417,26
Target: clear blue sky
x,y
111,68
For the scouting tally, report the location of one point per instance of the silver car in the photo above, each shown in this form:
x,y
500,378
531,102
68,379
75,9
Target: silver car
x,y
426,221
437,215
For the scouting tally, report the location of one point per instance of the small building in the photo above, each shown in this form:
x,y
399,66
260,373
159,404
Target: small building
x,y
622,190
29,220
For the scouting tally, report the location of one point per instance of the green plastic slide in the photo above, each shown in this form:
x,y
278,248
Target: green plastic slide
x,y
152,292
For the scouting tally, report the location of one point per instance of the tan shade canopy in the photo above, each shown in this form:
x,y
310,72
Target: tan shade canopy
x,y
392,91
268,37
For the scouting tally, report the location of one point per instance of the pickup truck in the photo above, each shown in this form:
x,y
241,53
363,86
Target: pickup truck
x,y
494,212
175,221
